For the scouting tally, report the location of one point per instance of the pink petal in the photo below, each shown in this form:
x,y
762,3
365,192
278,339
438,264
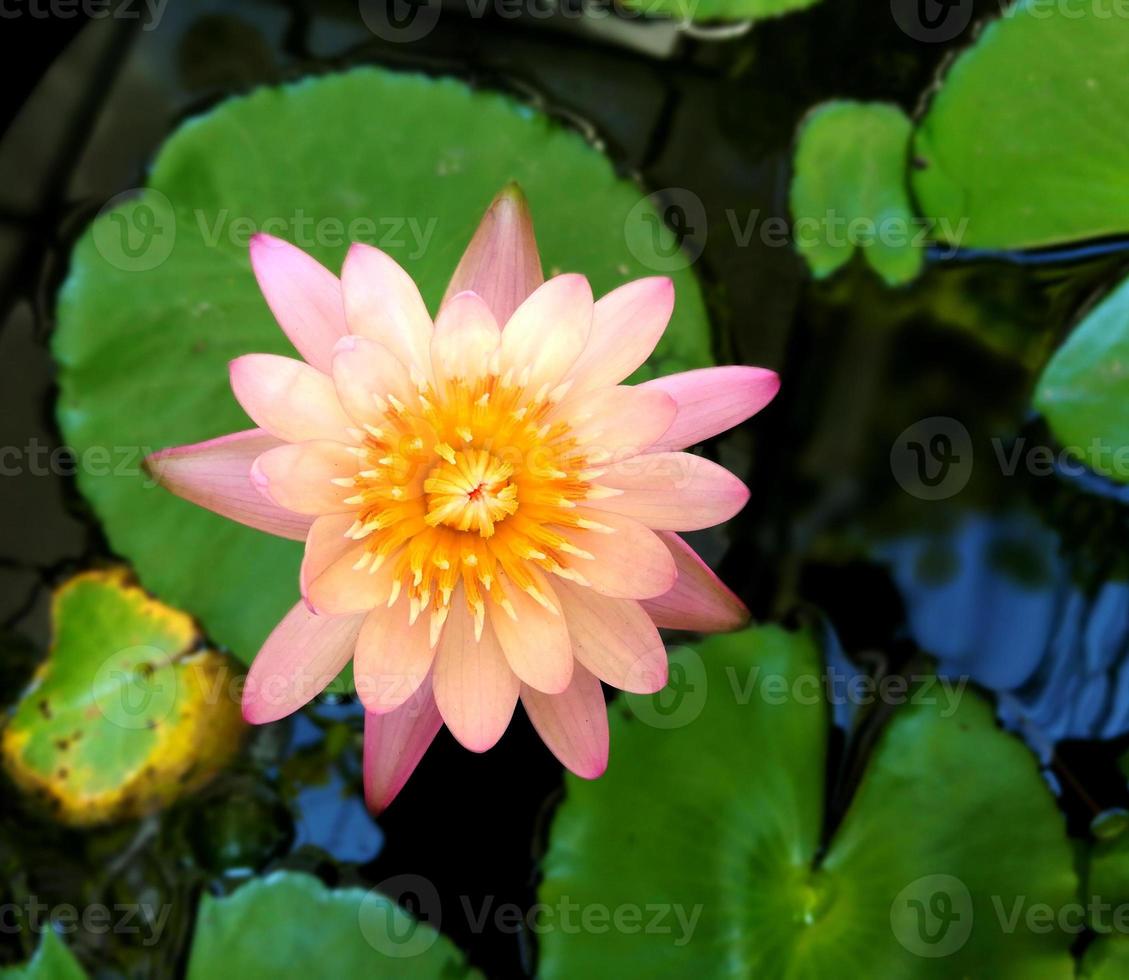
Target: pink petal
x,y
501,263
341,588
536,643
394,744
626,325
548,331
383,304
303,295
466,335
672,491
298,476
615,639
699,600
363,371
216,474
631,562
711,400
288,398
393,657
299,659
574,724
475,689
325,543
617,423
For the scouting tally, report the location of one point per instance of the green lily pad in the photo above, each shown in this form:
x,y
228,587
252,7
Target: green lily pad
x,y
849,191
126,714
1106,959
52,961
699,852
161,295
1024,137
719,10
290,925
1084,390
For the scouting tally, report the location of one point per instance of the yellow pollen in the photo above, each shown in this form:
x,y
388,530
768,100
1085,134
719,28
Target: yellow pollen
x,y
472,493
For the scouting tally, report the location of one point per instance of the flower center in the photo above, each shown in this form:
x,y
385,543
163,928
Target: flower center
x,y
471,492
471,485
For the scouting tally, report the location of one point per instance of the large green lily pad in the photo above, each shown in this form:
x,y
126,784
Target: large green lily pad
x,y
1025,137
699,852
161,295
290,925
849,191
126,713
1084,390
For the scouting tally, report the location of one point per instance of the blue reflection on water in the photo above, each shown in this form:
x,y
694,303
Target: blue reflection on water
x,y
995,599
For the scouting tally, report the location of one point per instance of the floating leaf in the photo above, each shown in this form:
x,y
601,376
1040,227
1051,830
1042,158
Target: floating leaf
x,y
125,714
719,10
1084,390
702,844
290,925
161,294
1024,139
52,961
849,190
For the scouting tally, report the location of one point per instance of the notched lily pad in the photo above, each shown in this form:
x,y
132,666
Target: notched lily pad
x,y
704,841
289,924
849,191
161,294
126,713
1025,137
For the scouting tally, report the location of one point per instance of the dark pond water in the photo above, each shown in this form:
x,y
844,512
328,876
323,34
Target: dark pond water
x,y
1020,579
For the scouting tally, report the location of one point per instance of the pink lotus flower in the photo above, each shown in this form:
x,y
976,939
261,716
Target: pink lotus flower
x,y
488,513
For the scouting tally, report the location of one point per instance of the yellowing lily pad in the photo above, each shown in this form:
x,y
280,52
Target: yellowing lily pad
x,y
161,294
1026,136
126,713
849,191
702,851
